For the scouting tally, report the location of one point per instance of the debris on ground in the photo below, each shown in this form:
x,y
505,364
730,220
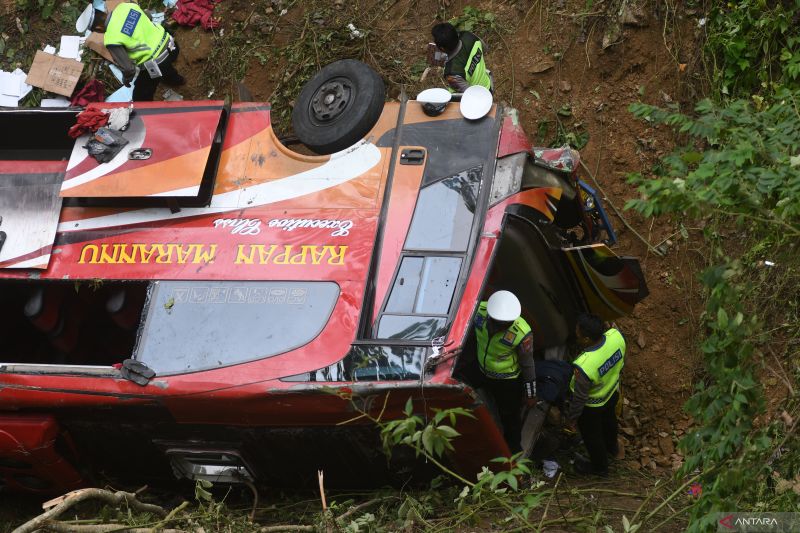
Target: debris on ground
x,y
70,47
172,96
54,74
13,87
93,91
59,101
105,144
89,120
196,12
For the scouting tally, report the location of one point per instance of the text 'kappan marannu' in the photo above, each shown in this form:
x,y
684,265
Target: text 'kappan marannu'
x,y
246,254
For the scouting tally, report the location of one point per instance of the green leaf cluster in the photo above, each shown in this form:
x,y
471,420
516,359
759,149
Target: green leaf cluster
x,y
753,45
431,438
475,20
739,170
740,159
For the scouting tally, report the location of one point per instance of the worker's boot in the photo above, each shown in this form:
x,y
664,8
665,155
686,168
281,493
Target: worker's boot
x,y
585,468
174,81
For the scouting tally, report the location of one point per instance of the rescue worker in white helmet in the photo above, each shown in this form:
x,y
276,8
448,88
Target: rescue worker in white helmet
x,y
505,357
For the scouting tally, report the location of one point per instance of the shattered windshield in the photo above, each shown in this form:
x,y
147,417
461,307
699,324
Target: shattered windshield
x,y
199,325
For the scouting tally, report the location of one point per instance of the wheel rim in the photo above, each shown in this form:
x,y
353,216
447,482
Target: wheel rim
x,y
331,100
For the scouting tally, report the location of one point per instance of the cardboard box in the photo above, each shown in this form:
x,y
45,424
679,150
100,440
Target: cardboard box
x,y
55,74
95,42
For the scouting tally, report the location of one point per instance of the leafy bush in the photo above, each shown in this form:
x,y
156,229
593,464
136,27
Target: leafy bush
x,y
743,160
754,45
740,171
475,20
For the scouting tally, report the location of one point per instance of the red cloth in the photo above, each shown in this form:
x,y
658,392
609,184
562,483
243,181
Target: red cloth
x,y
194,12
93,91
88,120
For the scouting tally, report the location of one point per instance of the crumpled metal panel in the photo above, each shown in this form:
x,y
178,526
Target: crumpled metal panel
x,y
29,211
507,177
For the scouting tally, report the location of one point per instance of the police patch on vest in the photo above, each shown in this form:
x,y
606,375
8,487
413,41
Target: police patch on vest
x,y
130,22
609,364
474,63
508,338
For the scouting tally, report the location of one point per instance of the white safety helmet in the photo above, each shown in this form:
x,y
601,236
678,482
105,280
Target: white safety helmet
x,y
503,306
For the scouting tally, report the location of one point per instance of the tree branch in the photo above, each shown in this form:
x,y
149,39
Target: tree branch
x,y
74,498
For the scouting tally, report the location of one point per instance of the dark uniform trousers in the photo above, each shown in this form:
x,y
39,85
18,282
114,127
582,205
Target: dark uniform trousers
x,y
507,394
145,87
598,427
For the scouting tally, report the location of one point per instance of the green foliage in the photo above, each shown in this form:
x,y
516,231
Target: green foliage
x,y
754,45
475,20
432,438
739,170
740,160
45,8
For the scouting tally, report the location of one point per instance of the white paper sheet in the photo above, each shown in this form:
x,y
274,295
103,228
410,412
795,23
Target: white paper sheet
x,y
25,88
10,84
70,46
8,101
50,49
55,102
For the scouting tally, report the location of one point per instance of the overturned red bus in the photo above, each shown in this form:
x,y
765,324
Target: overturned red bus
x,y
188,313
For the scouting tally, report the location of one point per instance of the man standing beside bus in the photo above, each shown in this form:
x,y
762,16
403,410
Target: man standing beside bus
x,y
595,392
505,350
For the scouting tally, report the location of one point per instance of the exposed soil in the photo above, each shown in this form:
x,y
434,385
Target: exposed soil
x,y
548,56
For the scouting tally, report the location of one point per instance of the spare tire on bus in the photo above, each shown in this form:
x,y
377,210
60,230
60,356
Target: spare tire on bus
x,y
338,106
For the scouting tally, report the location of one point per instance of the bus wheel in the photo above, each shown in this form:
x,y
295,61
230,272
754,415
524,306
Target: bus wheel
x,y
338,106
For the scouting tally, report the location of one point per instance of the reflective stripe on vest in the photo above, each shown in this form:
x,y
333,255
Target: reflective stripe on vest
x,y
476,67
602,364
129,26
497,357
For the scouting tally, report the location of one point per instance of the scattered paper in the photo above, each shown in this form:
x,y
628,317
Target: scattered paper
x,y
50,50
8,101
55,102
10,85
13,88
157,18
70,47
169,4
25,88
